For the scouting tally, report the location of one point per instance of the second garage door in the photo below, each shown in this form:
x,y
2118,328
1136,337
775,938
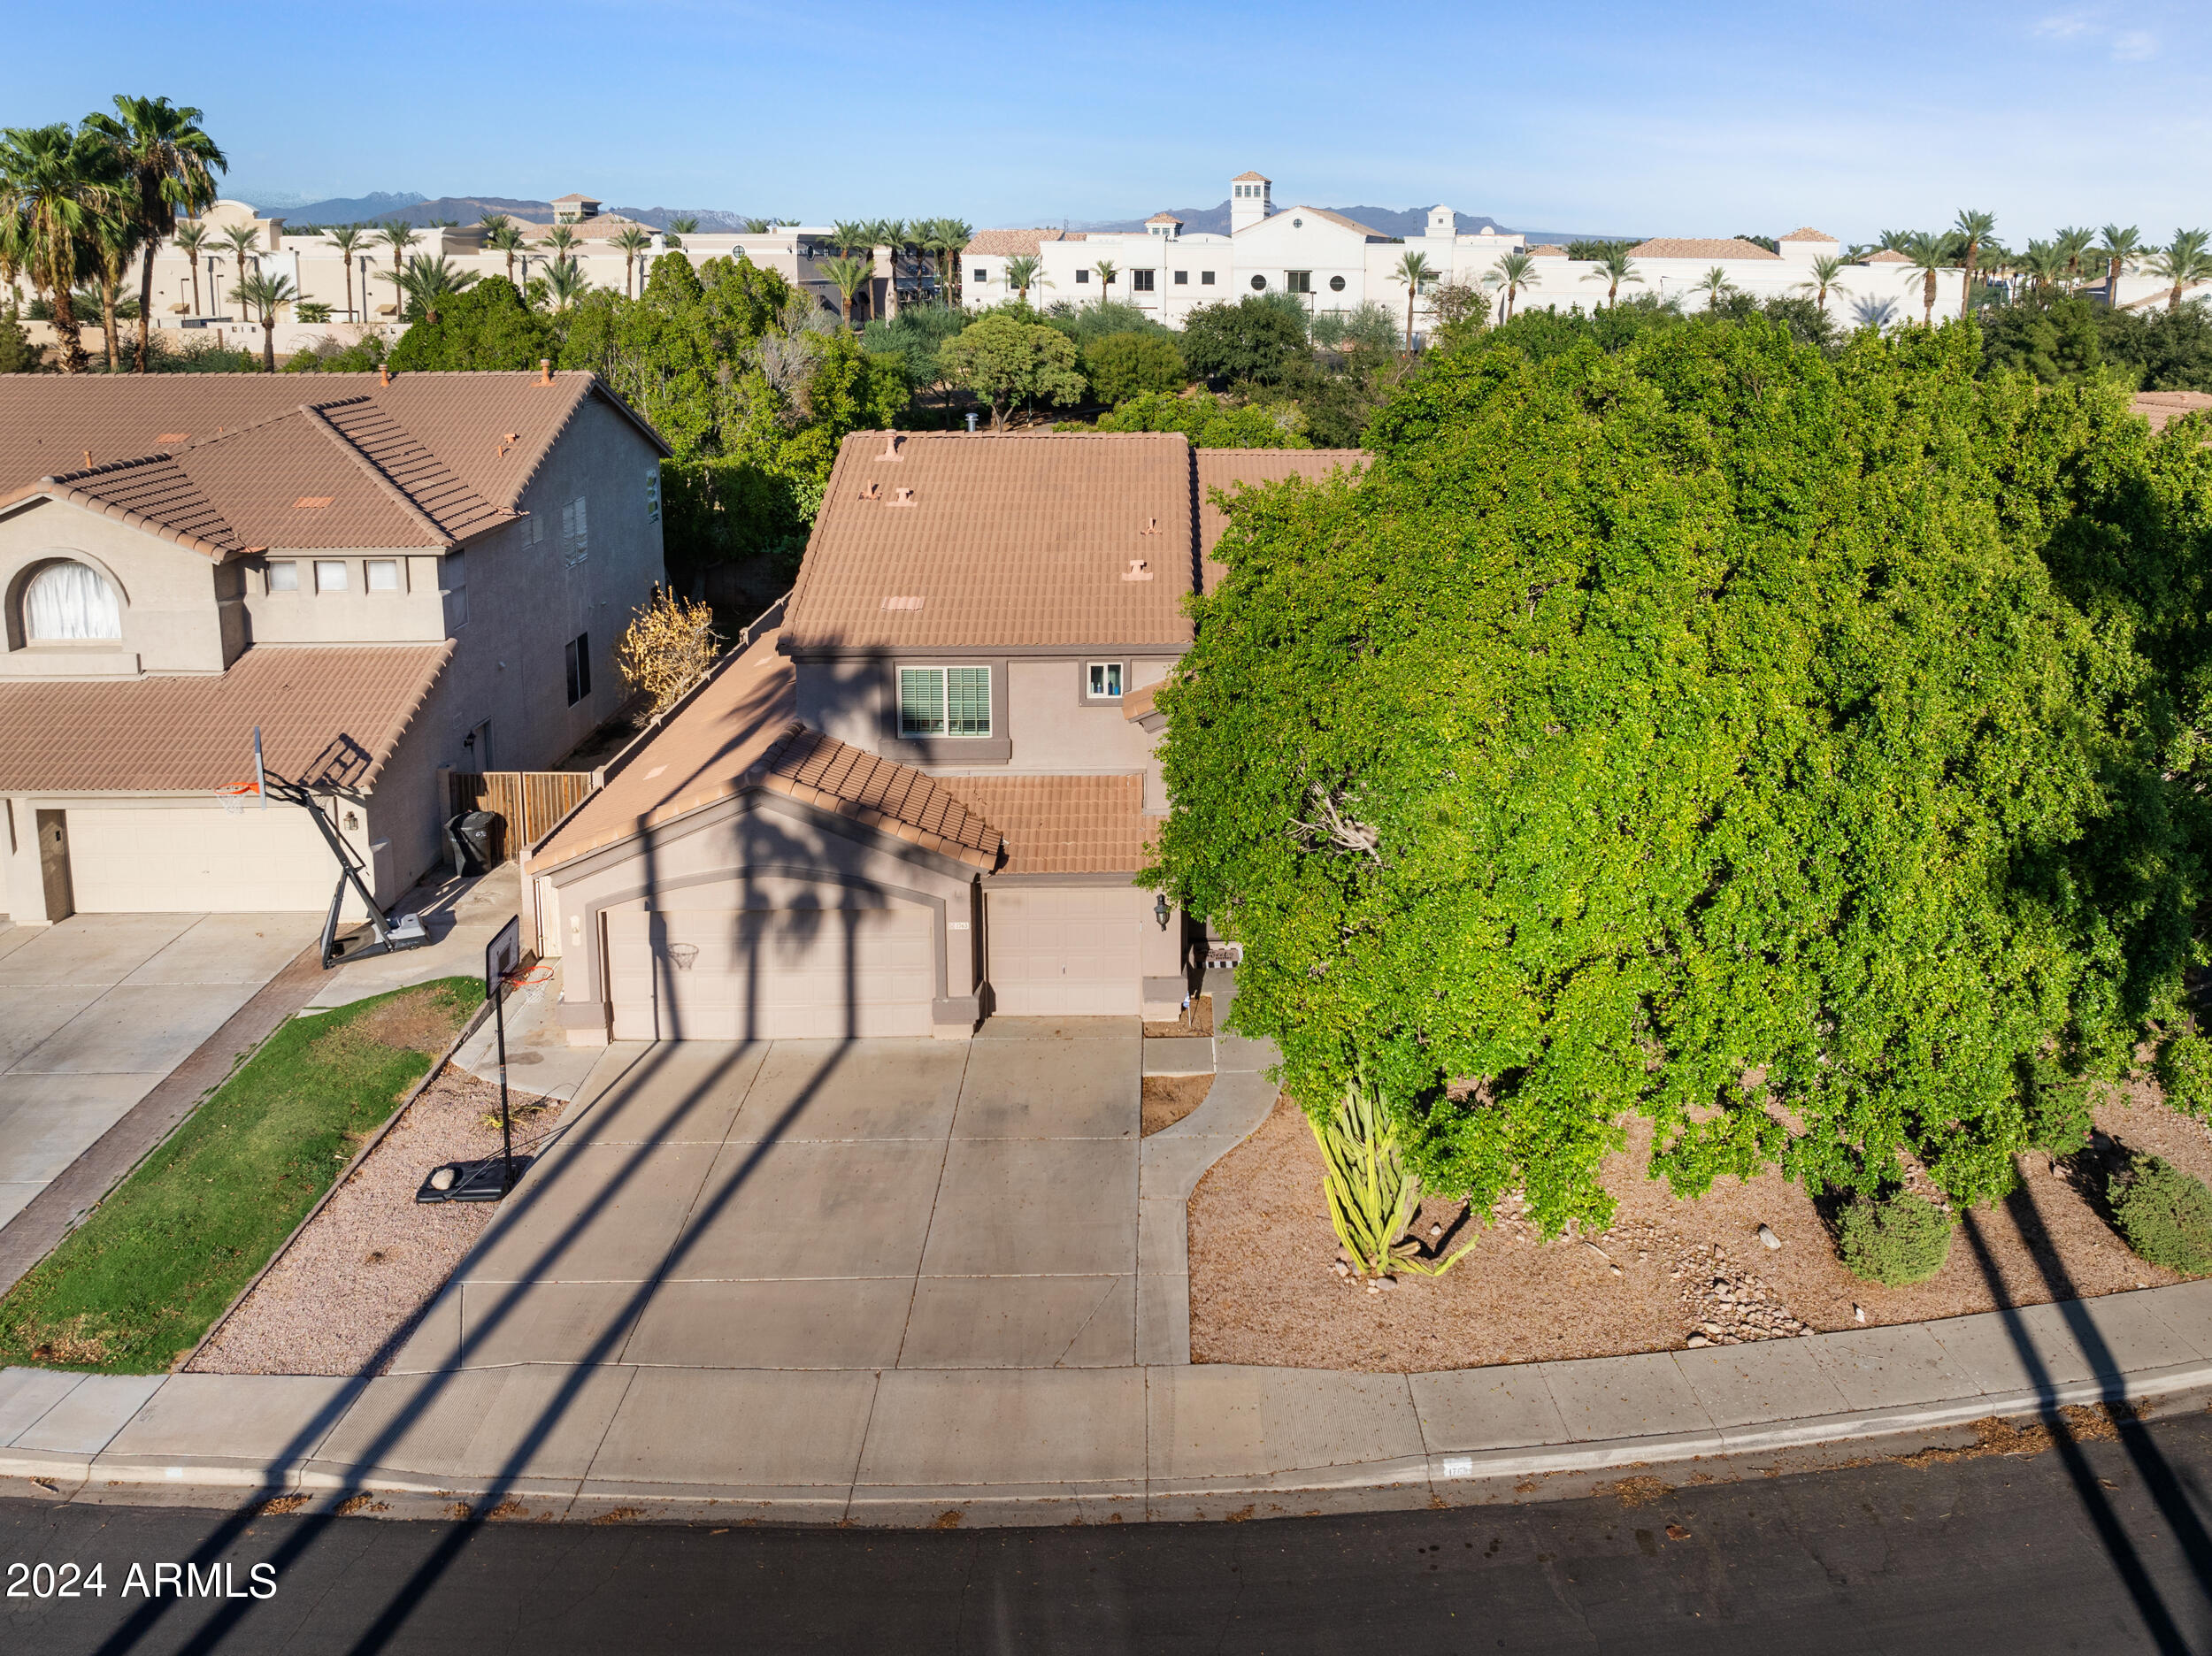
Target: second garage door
x,y
778,974
197,860
1065,951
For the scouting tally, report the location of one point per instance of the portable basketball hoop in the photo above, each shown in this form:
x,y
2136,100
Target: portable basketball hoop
x,y
492,1177
389,933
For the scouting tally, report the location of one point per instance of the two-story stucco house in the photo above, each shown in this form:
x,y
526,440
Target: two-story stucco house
x,y
386,575
926,796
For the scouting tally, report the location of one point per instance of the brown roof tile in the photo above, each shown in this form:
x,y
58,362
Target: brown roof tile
x,y
1887,256
1251,178
2162,406
331,712
1137,703
1008,243
1806,233
456,448
1229,469
1064,825
835,775
1009,541
1547,250
1701,247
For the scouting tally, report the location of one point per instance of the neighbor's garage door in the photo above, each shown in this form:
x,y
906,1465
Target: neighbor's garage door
x,y
197,860
1065,951
777,974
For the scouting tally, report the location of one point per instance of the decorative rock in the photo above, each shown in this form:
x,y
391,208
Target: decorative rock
x,y
1387,1282
1767,1236
1436,1230
1698,1339
443,1179
1859,1311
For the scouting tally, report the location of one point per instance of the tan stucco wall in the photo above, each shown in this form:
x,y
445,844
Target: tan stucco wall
x,y
175,617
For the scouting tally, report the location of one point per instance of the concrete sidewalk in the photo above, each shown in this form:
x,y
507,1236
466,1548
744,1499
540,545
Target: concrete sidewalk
x,y
1168,1442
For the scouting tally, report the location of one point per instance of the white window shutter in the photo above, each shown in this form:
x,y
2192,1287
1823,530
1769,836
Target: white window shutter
x,y
653,496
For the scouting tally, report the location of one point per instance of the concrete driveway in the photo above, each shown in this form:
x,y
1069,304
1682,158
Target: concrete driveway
x,y
97,1010
827,1205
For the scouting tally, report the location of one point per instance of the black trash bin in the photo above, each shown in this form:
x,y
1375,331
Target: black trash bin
x,y
472,841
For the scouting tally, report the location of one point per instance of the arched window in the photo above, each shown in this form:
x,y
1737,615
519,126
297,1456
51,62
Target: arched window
x,y
66,602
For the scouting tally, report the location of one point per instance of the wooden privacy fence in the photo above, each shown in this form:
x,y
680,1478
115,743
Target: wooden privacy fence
x,y
531,802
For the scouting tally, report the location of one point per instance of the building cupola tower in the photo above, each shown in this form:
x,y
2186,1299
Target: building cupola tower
x,y
1251,199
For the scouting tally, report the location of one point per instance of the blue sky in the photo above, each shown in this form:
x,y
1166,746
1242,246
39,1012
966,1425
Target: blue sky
x,y
1681,119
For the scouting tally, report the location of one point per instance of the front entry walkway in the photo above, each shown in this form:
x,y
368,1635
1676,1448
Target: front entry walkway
x,y
824,1204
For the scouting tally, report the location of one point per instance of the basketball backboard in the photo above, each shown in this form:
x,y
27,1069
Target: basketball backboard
x,y
503,956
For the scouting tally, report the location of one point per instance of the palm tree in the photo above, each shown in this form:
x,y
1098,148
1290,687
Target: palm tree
x,y
267,293
2073,246
565,283
1412,269
2184,263
1022,274
427,282
191,239
347,238
848,234
560,238
947,237
1971,227
1106,271
1928,256
1825,269
630,243
505,237
242,239
1715,285
759,226
169,166
53,186
848,276
115,236
398,237
2119,249
678,229
1513,272
1616,269
2043,264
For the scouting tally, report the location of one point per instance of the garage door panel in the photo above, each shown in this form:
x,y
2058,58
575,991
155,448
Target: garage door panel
x,y
1065,951
773,974
197,860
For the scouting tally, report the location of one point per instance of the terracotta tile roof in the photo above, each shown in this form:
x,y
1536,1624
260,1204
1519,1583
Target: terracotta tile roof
x,y
1350,224
1806,233
1251,178
1701,247
700,754
2162,406
1137,703
1887,256
1163,218
1547,250
1064,825
1008,243
1228,469
1005,540
456,450
327,711
879,792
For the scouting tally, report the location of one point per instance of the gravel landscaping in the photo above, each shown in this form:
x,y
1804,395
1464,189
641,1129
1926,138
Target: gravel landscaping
x,y
1265,1289
343,1297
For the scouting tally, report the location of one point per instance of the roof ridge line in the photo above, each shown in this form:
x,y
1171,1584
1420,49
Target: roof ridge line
x,y
406,503
134,518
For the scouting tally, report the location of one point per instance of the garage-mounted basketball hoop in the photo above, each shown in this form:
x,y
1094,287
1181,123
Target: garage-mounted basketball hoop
x,y
387,933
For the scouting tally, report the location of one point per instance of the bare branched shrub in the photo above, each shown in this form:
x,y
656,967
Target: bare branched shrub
x,y
667,648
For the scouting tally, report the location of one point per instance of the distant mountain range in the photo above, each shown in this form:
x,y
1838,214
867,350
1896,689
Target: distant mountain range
x,y
1397,221
410,208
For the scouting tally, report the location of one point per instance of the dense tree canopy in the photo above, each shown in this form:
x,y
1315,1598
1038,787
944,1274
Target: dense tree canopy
x,y
1258,338
1802,751
1120,365
1211,422
488,326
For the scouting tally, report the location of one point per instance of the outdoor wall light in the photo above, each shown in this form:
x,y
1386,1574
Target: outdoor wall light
x,y
353,821
1160,909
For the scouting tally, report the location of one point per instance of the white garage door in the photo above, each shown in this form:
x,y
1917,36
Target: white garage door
x,y
1065,951
775,974
197,860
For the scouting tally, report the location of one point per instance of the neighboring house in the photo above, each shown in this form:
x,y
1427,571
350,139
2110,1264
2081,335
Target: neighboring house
x,y
927,796
399,575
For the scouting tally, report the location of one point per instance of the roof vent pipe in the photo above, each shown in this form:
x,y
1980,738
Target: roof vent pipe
x,y
970,422
545,370
383,374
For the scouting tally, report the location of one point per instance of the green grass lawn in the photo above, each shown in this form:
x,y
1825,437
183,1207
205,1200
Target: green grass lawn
x,y
137,1283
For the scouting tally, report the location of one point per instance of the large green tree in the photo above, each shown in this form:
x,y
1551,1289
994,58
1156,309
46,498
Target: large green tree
x,y
1005,360
1800,752
1119,365
1260,339
488,326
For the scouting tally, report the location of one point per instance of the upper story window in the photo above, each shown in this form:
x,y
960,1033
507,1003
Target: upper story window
x,y
1082,275
383,574
70,602
330,575
284,576
1205,278
979,274
1102,682
1141,279
575,531
1298,281
453,576
944,701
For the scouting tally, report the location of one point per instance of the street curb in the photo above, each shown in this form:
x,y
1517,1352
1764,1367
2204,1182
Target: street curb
x,y
437,1068
1429,1479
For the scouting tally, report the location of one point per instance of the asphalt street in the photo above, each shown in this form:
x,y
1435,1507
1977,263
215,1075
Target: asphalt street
x,y
2094,1546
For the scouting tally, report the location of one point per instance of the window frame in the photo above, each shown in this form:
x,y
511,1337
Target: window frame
x,y
943,672
1298,281
344,582
1082,275
1182,279
269,586
369,567
1142,280
1114,672
1205,278
577,665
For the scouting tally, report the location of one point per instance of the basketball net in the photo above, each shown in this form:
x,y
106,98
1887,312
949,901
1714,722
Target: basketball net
x,y
237,793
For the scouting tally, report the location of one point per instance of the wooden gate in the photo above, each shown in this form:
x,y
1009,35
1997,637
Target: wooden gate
x,y
530,802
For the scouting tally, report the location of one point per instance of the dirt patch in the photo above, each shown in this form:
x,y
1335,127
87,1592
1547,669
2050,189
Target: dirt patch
x,y
1197,1019
1168,1099
421,1020
1264,1290
343,1297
